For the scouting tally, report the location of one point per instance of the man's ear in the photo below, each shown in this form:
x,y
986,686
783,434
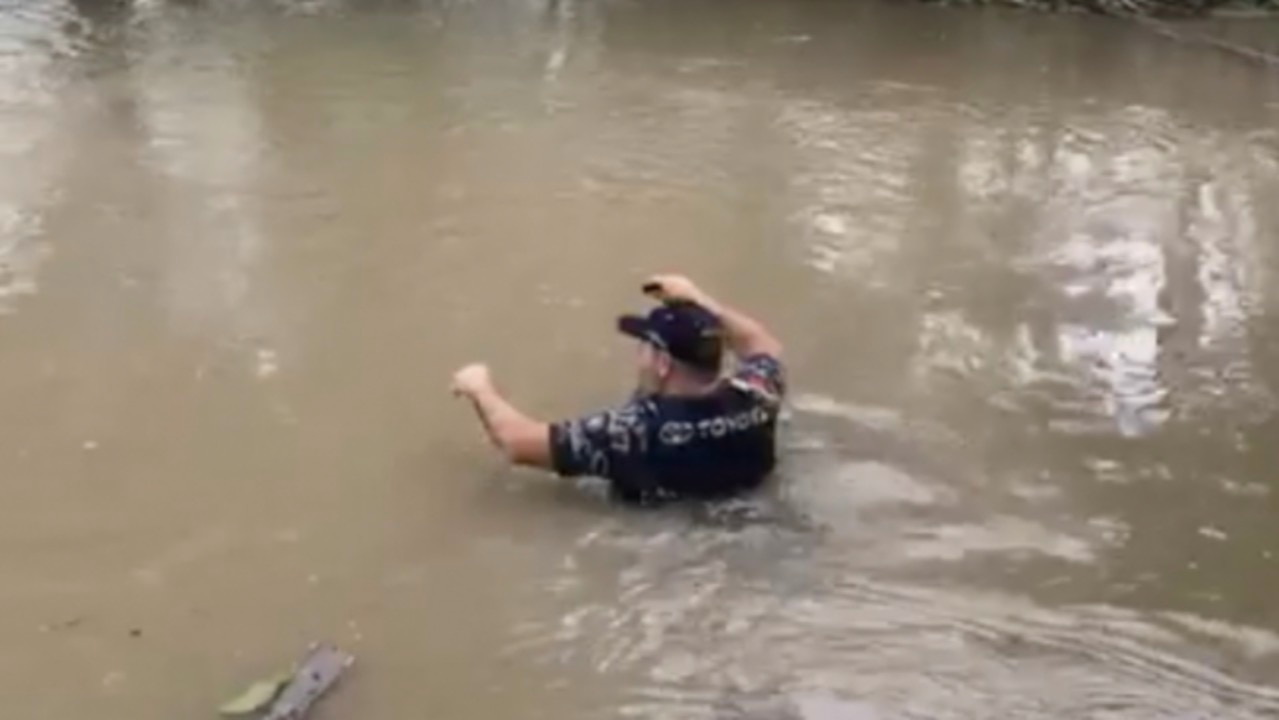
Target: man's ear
x,y
664,363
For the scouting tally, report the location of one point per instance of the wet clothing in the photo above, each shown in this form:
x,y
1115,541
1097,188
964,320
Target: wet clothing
x,y
659,447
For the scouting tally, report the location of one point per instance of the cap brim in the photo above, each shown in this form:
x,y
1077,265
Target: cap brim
x,y
634,326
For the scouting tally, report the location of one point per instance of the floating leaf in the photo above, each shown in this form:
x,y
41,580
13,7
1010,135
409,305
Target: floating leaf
x,y
256,697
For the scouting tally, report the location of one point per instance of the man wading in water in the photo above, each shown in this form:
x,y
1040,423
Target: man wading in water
x,y
689,432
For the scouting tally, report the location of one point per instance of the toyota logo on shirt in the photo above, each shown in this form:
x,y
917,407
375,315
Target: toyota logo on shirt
x,y
676,433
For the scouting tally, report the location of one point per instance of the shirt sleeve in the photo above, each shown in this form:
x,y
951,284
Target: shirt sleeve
x,y
762,375
602,444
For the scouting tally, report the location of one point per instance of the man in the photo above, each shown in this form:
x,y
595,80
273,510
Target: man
x,y
689,431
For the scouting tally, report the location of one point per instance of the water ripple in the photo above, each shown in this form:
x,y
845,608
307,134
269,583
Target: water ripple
x,y
708,634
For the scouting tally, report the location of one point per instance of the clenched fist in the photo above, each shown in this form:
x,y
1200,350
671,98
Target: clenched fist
x,y
472,380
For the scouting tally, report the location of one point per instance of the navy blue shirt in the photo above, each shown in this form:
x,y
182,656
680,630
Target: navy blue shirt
x,y
659,447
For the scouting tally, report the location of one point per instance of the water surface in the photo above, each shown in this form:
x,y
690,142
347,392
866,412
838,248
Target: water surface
x,y
1024,265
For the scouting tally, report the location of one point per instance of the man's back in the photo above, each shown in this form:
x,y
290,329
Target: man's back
x,y
664,447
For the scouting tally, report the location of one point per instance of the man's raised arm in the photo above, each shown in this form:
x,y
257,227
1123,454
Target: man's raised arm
x,y
747,337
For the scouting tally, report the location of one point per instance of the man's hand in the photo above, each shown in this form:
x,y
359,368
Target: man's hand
x,y
472,380
669,288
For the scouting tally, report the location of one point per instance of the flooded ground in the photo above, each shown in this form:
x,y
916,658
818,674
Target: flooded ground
x,y
1025,265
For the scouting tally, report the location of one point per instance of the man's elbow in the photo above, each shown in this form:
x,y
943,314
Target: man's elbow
x,y
527,445
517,453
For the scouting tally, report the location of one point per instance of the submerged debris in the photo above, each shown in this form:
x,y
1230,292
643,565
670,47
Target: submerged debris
x,y
257,697
289,696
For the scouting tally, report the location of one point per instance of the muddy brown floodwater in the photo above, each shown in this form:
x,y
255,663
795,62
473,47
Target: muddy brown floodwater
x,y
1025,264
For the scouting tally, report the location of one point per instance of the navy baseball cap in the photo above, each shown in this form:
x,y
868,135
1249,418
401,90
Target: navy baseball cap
x,y
686,331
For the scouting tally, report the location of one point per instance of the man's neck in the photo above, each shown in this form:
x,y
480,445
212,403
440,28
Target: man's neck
x,y
684,387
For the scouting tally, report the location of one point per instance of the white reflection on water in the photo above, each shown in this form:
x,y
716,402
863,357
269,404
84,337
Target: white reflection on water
x,y
1126,237
200,114
30,155
21,254
1120,222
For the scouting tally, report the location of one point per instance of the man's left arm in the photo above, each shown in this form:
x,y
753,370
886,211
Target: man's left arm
x,y
520,438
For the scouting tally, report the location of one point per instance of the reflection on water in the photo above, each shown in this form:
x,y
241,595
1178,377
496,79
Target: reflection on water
x,y
202,135
20,257
28,45
1021,262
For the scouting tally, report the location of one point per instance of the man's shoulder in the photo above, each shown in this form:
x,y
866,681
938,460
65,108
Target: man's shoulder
x,y
761,377
760,364
638,410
